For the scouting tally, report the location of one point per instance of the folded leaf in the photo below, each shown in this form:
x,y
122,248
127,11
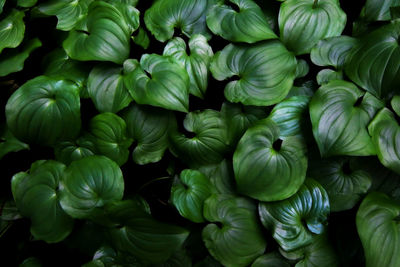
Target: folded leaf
x,y
378,10
69,151
12,29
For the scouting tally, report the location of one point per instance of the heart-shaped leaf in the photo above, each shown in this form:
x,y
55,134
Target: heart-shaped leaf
x,y
378,227
340,114
243,21
88,184
295,221
69,151
265,72
44,110
159,81
37,197
12,29
195,58
302,23
234,235
188,194
267,168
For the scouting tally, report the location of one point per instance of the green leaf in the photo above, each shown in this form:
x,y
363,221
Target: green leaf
x,y
31,262
290,115
272,259
264,71
332,51
13,60
69,151
26,3
234,236
302,23
195,58
295,221
104,35
88,184
2,2
395,103
239,21
378,10
267,168
302,68
385,132
374,63
12,29
149,127
188,194
159,81
378,227
221,177
142,236
327,75
107,132
107,89
8,143
189,17
69,12
142,38
209,143
340,114
37,197
44,111
344,183
305,88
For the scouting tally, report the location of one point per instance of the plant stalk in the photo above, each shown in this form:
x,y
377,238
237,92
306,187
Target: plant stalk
x,y
315,4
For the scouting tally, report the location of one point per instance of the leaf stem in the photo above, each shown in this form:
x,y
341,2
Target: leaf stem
x,y
154,180
315,4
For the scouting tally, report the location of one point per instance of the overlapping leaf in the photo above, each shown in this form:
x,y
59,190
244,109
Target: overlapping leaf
x,y
12,29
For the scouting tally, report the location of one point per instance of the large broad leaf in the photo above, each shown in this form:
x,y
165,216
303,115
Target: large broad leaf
x,y
295,221
107,89
272,259
160,81
104,35
142,236
291,115
109,136
332,51
149,127
385,132
14,60
88,184
374,63
344,183
8,143
302,23
378,226
267,168
69,151
37,197
234,236
327,75
264,72
189,16
221,177
44,110
239,21
188,194
378,10
340,114
12,29
209,143
195,57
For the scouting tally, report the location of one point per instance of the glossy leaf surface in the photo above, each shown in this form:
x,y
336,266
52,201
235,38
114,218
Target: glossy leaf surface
x,y
12,29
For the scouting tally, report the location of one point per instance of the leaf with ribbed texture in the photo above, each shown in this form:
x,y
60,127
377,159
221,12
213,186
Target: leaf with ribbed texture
x,y
327,75
267,168
209,143
340,114
69,151
239,21
104,35
265,72
88,184
295,221
188,194
332,51
12,29
302,23
272,259
189,16
149,127
37,197
13,60
395,104
302,68
159,81
378,227
44,111
107,132
238,240
374,63
107,89
290,115
221,177
141,38
344,183
195,57
142,236
378,10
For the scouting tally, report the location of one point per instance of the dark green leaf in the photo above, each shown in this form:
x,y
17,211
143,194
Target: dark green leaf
x,y
8,143
12,29
378,10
